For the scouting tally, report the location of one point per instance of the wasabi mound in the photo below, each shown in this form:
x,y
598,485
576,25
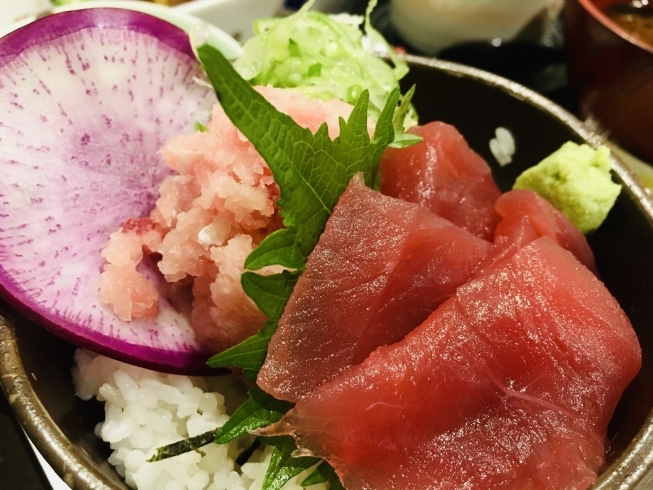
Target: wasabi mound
x,y
576,180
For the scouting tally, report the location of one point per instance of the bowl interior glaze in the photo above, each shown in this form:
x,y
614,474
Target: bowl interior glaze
x,y
35,366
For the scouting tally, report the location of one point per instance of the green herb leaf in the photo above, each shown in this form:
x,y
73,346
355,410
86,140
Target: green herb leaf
x,y
384,134
334,481
273,440
405,140
283,466
321,474
249,354
258,411
201,127
318,475
279,247
270,293
399,119
183,446
402,139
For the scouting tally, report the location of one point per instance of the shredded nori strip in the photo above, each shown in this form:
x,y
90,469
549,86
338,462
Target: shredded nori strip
x,y
185,446
247,453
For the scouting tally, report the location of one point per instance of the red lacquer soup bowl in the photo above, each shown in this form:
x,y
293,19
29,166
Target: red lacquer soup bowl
x,y
610,63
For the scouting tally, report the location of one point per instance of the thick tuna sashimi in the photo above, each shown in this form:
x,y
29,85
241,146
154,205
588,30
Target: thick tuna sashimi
x,y
525,216
509,384
445,175
379,269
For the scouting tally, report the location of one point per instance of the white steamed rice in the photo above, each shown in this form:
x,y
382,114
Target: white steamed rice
x,y
145,410
502,146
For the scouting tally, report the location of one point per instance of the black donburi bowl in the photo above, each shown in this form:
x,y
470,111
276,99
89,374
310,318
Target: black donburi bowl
x,y
35,366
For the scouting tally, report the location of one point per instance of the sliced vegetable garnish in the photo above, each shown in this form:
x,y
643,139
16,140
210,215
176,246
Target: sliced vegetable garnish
x,y
88,98
324,58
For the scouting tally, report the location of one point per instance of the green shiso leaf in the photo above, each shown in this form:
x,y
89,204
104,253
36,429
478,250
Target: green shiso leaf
x,y
279,247
323,473
311,171
273,440
249,354
258,411
399,119
405,140
316,476
270,293
384,134
283,466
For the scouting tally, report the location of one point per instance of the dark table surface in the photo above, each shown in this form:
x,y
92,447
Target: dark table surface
x,y
540,66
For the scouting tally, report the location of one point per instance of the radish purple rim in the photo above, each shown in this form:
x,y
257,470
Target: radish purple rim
x,y
58,25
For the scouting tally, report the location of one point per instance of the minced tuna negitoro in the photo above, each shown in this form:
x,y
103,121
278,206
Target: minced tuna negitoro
x,y
208,218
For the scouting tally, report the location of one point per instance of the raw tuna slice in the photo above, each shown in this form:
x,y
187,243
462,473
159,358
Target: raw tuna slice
x,y
380,268
509,384
526,217
443,174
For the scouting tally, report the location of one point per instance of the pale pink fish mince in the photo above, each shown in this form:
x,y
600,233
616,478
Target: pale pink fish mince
x,y
207,219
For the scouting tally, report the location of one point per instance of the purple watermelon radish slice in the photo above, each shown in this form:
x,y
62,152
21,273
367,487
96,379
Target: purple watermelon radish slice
x,y
87,100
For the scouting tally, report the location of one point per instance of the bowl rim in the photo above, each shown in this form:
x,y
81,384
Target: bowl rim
x,y
75,466
598,14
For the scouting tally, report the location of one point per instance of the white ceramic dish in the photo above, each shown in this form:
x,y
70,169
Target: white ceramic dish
x,y
15,10
234,17
432,25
